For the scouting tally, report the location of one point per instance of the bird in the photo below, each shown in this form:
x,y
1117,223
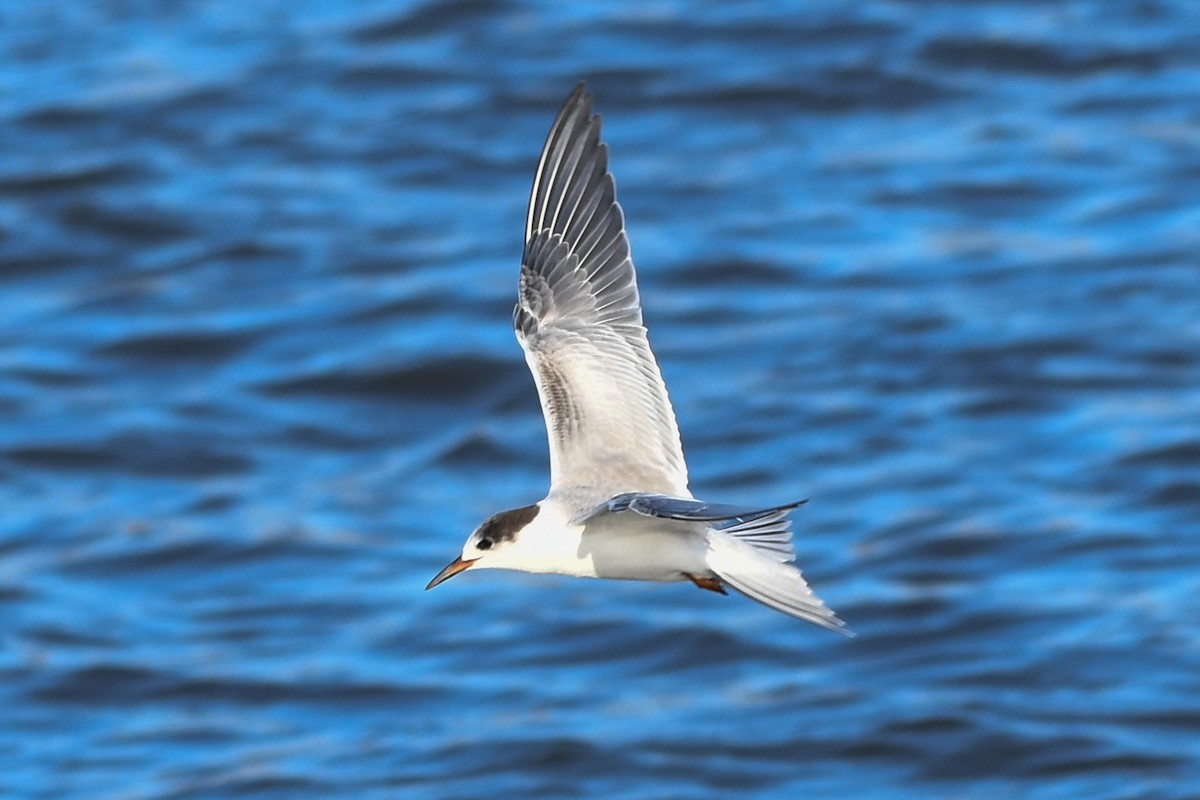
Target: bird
x,y
619,506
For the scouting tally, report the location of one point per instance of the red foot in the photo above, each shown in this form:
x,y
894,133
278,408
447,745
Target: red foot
x,y
712,584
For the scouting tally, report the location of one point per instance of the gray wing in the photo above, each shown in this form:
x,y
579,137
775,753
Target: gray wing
x,y
609,420
687,509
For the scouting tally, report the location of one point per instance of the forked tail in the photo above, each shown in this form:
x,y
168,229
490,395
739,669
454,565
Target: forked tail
x,y
755,558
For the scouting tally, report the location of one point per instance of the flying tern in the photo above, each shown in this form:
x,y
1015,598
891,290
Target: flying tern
x,y
619,505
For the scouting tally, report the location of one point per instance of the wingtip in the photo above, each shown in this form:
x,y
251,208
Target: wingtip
x,y
579,96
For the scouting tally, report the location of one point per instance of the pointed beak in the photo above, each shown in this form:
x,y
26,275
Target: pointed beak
x,y
453,568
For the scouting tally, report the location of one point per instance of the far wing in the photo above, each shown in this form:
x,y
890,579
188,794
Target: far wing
x,y
686,509
609,420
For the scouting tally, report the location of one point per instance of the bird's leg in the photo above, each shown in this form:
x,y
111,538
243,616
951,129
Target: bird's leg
x,y
712,584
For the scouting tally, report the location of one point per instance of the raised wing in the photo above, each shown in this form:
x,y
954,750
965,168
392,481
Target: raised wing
x,y
608,417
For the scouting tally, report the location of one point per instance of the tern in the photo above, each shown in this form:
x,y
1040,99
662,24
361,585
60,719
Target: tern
x,y
619,505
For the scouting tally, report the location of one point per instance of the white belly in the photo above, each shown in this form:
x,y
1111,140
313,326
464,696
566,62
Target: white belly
x,y
637,548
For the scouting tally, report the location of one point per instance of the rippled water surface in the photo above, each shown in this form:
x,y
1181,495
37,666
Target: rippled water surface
x,y
932,265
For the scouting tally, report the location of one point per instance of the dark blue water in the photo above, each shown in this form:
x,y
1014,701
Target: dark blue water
x,y
932,265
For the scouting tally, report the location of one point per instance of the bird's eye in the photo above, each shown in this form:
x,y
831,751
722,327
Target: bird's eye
x,y
484,544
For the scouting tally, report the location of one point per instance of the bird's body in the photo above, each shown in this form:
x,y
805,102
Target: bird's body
x,y
609,546
619,504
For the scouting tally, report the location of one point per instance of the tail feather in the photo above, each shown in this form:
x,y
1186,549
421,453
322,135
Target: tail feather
x,y
771,533
755,570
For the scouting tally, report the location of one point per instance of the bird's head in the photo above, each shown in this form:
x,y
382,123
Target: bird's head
x,y
487,546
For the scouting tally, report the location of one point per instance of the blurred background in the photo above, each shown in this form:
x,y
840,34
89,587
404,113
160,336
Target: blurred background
x,y
932,265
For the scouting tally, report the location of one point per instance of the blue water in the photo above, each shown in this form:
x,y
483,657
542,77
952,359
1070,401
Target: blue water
x,y
932,265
